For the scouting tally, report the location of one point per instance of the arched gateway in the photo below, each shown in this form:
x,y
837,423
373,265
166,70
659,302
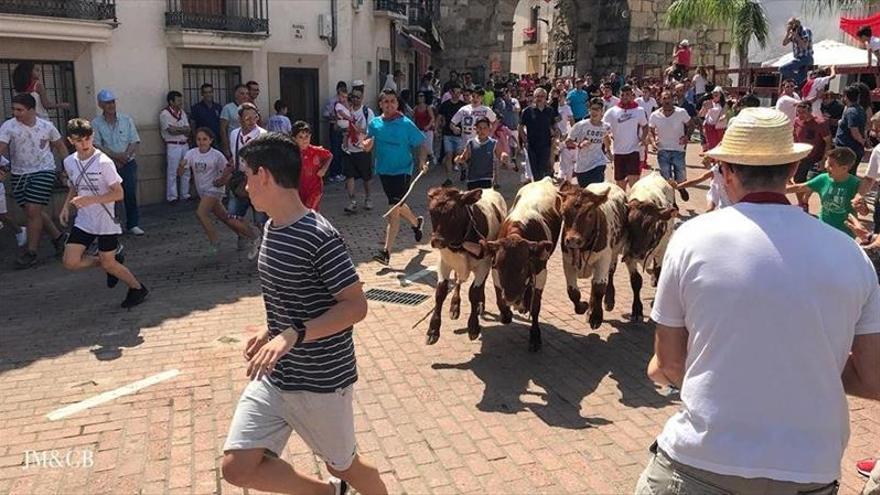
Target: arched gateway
x,y
595,36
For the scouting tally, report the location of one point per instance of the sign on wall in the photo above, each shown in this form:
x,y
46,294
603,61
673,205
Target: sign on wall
x,y
299,31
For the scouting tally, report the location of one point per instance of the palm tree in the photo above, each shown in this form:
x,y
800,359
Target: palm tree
x,y
745,18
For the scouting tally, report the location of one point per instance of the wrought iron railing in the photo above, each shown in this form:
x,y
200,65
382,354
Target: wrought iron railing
x,y
394,6
243,16
94,10
418,13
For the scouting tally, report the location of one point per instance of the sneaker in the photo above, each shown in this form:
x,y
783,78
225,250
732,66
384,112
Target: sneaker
x,y
136,231
340,487
685,196
446,183
26,260
120,258
135,297
242,243
255,247
368,204
21,237
352,207
382,257
865,466
417,230
59,242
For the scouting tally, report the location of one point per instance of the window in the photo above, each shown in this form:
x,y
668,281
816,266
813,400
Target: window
x,y
223,78
57,78
384,70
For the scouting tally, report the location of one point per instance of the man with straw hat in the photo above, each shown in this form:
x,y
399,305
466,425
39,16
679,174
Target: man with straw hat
x,y
763,336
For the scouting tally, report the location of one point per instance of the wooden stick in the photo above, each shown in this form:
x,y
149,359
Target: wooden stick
x,y
405,196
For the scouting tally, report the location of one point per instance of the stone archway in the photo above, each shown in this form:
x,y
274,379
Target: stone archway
x,y
622,36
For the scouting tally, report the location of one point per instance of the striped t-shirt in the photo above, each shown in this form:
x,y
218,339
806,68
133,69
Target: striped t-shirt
x,y
302,266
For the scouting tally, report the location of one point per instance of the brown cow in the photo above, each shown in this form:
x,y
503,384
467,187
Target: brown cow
x,y
460,221
592,239
527,238
649,226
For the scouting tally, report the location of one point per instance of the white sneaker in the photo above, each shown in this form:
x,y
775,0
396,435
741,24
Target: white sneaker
x,y
368,204
340,487
255,248
21,237
136,231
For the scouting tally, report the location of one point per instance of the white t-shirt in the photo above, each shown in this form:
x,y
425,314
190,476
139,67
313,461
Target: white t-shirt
x,y
565,116
237,141
467,116
873,171
229,112
788,105
769,333
819,84
625,128
30,147
648,105
699,84
717,193
166,120
713,116
874,43
610,102
670,129
206,167
592,156
93,177
360,122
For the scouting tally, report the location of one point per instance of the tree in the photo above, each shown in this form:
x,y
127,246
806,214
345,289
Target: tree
x,y
745,18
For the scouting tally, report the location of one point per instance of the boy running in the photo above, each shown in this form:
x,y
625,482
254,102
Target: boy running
x,y
302,366
589,136
94,188
481,154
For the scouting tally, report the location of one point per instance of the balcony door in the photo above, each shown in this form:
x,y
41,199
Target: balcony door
x,y
299,90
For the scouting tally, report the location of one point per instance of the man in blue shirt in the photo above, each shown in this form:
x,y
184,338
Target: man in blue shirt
x,y
577,100
801,40
206,113
394,139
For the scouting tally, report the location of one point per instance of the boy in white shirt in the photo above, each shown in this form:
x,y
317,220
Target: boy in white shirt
x,y
588,137
95,186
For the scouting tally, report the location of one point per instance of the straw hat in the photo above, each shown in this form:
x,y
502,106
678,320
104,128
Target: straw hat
x,y
760,137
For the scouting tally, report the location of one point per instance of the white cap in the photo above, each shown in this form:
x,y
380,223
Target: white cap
x,y
684,43
357,83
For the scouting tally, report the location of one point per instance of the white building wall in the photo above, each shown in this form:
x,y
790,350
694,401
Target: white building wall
x,y
529,58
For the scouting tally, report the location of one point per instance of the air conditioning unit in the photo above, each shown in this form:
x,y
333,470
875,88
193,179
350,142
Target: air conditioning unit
x,y
325,26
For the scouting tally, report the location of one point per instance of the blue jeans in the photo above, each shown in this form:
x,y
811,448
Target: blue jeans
x,y
672,165
336,138
238,207
129,174
797,70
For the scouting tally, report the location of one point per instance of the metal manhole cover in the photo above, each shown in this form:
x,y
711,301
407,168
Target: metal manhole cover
x,y
396,297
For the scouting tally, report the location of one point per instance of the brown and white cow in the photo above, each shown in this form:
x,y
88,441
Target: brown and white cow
x,y
650,222
527,238
592,239
460,220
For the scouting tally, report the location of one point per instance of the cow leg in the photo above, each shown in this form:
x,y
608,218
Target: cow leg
x,y
455,305
635,281
504,312
535,331
610,292
440,294
477,297
597,292
656,273
580,307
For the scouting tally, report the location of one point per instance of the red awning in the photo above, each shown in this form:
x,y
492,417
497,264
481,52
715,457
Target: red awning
x,y
851,26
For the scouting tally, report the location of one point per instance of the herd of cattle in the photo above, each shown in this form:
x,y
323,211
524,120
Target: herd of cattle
x,y
475,234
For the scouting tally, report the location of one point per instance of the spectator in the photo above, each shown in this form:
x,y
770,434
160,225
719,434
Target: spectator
x,y
229,117
816,88
801,40
235,175
253,89
315,163
788,101
206,113
279,122
537,130
423,116
30,141
700,81
851,127
175,129
608,96
26,79
117,136
808,130
357,163
670,127
5,218
94,186
577,99
871,44
336,133
790,437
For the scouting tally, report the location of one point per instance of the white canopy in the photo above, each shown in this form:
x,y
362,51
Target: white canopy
x,y
827,53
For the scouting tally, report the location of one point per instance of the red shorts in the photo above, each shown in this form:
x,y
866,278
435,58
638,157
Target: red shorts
x,y
713,136
310,192
627,165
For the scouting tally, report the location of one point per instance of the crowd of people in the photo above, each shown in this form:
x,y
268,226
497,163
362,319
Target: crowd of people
x,y
568,128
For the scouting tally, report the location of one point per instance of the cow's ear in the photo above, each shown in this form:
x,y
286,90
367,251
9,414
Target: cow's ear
x,y
567,189
668,213
542,249
434,191
471,197
597,199
490,247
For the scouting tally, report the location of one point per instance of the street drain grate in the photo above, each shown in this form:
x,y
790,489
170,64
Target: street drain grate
x,y
396,297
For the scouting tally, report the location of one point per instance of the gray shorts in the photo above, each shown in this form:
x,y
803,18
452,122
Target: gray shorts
x,y
265,417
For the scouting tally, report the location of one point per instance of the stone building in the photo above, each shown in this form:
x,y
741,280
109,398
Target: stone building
x,y
596,36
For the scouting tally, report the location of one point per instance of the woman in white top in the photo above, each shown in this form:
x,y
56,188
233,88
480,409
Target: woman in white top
x,y
714,119
25,79
700,81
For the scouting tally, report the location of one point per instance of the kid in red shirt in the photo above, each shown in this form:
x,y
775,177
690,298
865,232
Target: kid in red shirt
x,y
315,162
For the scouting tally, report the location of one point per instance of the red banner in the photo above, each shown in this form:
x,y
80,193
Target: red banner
x,y
852,26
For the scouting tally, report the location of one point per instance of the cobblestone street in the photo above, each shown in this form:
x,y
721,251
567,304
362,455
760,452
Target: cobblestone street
x,y
457,417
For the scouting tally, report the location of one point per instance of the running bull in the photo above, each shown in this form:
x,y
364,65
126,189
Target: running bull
x,y
525,242
460,221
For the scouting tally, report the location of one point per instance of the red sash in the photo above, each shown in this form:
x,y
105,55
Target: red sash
x,y
765,197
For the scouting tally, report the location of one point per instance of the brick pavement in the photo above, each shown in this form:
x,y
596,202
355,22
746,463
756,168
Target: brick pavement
x,y
457,417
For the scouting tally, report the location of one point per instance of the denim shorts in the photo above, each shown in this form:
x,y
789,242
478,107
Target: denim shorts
x,y
672,165
238,207
452,144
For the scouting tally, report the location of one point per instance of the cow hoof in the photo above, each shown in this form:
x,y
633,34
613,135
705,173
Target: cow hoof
x,y
636,317
609,305
581,308
474,334
454,313
506,316
595,321
432,338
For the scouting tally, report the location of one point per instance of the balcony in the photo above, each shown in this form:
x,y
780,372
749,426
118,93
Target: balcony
x,y
418,15
392,9
217,24
66,20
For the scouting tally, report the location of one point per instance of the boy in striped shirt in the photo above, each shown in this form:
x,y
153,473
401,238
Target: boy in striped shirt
x,y
302,366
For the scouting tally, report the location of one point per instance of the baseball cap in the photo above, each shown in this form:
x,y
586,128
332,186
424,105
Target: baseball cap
x,y
357,83
106,95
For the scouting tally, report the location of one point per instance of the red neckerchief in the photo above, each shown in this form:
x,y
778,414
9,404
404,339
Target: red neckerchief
x,y
396,115
628,106
174,113
765,197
